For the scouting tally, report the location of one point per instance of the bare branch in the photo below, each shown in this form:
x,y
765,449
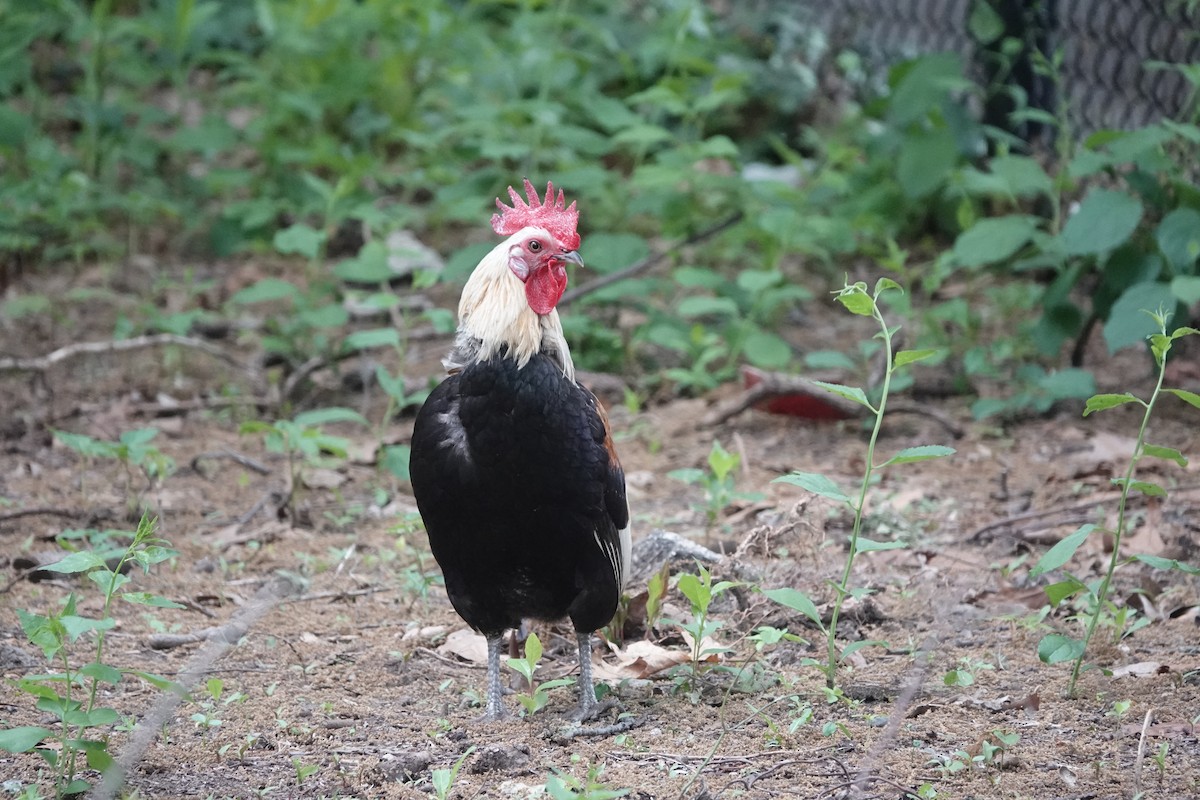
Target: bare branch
x,y
67,352
647,262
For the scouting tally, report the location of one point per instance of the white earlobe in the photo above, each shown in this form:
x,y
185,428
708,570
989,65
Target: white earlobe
x,y
517,263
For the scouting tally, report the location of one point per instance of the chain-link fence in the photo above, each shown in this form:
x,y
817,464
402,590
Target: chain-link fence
x,y
1116,54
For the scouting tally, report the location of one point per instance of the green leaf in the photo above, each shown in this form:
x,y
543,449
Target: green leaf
x,y
102,672
1145,487
1158,562
797,601
376,337
906,357
925,161
1126,324
266,290
370,266
160,682
1191,398
533,649
150,599
1057,592
23,738
815,483
924,85
1186,288
984,22
394,458
300,239
848,392
1023,175
957,677
692,307
1061,552
767,350
920,453
82,561
853,647
76,626
1169,453
992,240
866,545
324,416
1056,648
1099,402
609,252
1178,238
1105,219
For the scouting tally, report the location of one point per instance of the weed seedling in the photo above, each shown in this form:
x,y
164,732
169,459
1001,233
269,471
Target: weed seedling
x,y
1056,648
565,787
700,592
718,483
857,300
443,779
304,443
132,450
303,771
70,694
539,693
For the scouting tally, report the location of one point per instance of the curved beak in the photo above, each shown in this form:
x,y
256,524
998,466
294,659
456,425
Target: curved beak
x,y
570,255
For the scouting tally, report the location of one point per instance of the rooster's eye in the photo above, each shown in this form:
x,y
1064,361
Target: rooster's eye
x,y
535,245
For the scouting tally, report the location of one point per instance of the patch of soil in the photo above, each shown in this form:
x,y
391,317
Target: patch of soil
x,y
343,669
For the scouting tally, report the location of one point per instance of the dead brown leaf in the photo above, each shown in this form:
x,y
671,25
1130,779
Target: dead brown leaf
x,y
640,660
465,644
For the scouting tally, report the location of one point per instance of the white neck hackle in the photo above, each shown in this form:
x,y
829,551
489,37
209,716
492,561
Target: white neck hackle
x,y
493,313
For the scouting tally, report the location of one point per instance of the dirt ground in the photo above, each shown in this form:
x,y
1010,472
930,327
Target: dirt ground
x,y
348,678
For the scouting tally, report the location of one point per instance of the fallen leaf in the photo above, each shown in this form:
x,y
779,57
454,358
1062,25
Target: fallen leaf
x,y
323,478
465,644
640,660
1141,669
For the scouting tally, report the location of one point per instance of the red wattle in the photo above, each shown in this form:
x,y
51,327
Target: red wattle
x,y
545,286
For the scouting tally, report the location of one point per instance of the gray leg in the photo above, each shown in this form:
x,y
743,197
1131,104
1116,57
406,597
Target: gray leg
x,y
494,710
587,689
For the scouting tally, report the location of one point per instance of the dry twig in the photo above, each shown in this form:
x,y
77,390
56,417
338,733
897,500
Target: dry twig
x,y
246,461
156,718
67,352
647,262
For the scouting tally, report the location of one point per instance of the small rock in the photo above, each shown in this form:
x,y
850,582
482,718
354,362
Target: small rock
x,y
406,766
500,757
12,657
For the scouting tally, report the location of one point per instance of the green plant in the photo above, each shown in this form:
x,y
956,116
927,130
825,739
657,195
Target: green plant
x,y
443,779
1055,647
964,674
132,449
561,786
700,591
303,442
1160,759
718,482
71,693
303,771
857,300
539,693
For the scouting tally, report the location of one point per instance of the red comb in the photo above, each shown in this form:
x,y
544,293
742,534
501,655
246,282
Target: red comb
x,y
553,215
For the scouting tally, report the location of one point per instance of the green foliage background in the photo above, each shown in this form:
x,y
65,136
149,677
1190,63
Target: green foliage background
x,y
200,129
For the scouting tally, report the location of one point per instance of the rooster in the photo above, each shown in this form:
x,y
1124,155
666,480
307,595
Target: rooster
x,y
512,463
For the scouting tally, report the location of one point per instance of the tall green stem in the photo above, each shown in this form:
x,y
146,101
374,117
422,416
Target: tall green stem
x,y
1102,591
860,506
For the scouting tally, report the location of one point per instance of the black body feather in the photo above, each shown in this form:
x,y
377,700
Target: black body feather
x,y
521,495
